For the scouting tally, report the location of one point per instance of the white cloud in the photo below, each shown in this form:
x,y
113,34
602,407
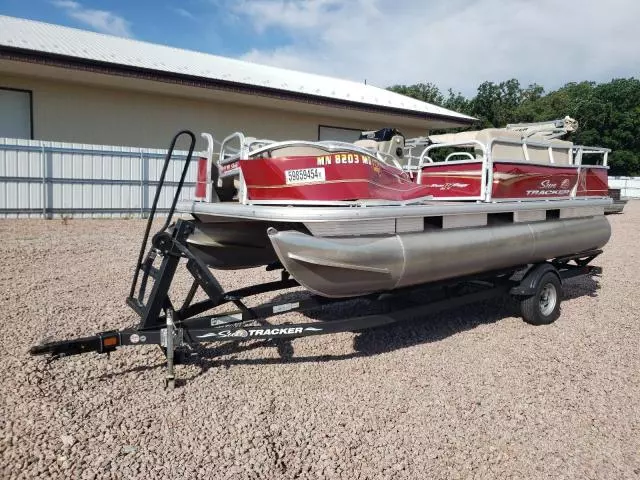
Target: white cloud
x,y
295,15
100,20
453,43
183,13
66,4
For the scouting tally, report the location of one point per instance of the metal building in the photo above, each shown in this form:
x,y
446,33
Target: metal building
x,y
69,85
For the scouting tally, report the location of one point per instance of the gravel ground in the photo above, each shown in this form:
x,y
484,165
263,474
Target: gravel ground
x,y
471,393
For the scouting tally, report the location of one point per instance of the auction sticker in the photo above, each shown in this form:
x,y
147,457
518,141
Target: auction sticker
x,y
304,175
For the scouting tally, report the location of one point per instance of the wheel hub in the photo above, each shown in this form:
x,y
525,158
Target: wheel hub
x,y
548,299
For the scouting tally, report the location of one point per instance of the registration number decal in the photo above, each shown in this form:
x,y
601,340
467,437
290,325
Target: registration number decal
x,y
304,175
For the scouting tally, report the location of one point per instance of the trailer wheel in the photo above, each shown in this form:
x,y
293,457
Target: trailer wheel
x,y
543,307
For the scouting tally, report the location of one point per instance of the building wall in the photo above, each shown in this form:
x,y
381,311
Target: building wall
x,y
74,112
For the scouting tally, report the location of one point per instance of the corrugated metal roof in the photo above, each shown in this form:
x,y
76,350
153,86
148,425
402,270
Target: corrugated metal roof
x,y
70,42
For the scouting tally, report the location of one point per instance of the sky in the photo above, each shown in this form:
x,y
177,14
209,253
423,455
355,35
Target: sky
x,y
454,44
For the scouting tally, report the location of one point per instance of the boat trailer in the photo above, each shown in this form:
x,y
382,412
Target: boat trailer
x,y
176,329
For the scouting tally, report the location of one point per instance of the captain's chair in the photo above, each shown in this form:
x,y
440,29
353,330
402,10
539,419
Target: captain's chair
x,y
387,141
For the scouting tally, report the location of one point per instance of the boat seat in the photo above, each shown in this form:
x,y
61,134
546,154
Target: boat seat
x,y
370,144
394,147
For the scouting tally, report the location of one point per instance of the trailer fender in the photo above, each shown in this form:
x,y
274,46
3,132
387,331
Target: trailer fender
x,y
529,284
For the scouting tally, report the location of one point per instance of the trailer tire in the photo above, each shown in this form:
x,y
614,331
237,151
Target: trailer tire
x,y
543,307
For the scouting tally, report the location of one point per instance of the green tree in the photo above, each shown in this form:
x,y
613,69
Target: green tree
x,y
426,92
495,104
458,103
608,113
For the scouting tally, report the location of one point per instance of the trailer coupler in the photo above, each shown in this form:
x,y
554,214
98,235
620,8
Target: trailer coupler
x,y
103,342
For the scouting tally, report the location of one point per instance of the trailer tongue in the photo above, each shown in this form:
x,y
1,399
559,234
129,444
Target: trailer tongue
x,y
537,286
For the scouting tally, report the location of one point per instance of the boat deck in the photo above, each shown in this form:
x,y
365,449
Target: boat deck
x,y
339,211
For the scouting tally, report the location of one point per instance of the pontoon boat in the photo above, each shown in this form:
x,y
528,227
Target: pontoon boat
x,y
387,212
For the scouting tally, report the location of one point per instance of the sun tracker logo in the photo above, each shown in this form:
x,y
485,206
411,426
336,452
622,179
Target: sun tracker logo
x,y
549,188
448,186
275,331
240,333
260,332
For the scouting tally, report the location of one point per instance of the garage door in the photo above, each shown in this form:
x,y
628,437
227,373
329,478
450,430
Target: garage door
x,y
340,134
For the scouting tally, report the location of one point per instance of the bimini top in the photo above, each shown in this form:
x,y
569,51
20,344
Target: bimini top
x,y
20,36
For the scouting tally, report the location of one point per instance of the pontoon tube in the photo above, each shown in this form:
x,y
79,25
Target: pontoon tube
x,y
345,267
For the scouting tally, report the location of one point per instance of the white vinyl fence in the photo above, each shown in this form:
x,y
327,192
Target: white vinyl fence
x,y
629,186
53,179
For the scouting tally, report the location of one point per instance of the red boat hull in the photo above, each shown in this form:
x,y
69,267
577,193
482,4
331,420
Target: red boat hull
x,y
514,180
338,177
593,182
453,180
353,176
